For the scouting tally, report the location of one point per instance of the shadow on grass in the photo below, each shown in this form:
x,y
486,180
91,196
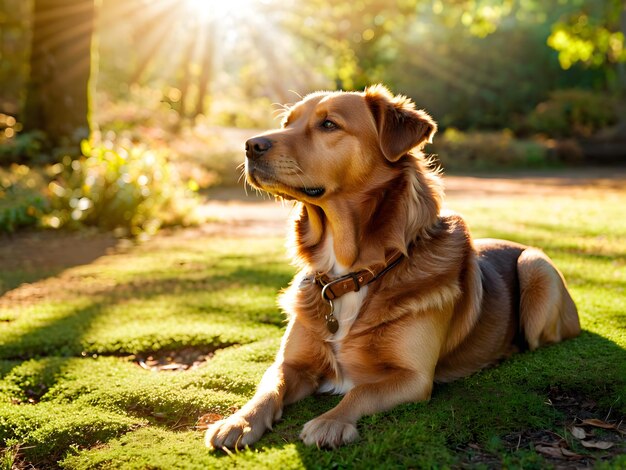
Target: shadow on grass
x,y
64,335
53,343
38,255
198,281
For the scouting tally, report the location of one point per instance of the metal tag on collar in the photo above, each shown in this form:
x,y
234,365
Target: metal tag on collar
x,y
331,321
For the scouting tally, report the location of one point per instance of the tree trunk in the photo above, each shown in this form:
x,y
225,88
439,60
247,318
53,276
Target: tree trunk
x,y
57,94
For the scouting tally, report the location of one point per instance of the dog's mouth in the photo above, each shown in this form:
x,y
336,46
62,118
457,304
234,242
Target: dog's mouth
x,y
287,192
265,180
313,192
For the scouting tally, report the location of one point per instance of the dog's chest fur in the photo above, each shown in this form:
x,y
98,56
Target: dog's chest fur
x,y
346,310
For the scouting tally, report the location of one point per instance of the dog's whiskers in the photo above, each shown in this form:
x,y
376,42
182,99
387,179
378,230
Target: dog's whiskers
x,y
242,176
282,112
304,185
283,107
296,93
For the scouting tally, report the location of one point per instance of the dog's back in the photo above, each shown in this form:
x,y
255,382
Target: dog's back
x,y
525,304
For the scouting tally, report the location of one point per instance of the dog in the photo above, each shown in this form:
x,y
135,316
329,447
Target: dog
x,y
392,294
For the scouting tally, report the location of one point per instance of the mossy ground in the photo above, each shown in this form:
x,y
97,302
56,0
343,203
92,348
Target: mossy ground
x,y
72,394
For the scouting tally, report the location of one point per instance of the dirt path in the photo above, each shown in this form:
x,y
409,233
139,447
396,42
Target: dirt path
x,y
560,183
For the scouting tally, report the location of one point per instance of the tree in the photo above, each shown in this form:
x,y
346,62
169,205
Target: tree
x,y
595,36
57,93
14,29
354,42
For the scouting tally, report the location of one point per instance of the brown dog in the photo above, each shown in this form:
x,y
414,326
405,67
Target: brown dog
x,y
392,295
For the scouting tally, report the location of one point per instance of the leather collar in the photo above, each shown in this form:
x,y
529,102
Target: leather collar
x,y
332,288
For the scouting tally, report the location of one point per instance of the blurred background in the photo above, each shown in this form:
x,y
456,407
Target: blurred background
x,y
121,114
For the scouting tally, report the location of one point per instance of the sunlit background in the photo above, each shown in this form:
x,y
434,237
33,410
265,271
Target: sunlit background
x,y
512,83
208,56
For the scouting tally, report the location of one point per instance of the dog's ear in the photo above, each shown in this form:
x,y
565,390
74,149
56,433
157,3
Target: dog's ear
x,y
401,127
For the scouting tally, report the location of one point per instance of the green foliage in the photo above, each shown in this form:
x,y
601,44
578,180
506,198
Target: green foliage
x,y
466,82
457,150
8,455
24,147
573,113
472,65
590,35
52,430
354,43
22,203
126,187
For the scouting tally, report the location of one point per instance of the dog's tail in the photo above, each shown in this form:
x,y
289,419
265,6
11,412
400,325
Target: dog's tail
x,y
547,312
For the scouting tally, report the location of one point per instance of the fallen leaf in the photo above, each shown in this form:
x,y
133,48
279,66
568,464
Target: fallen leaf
x,y
597,444
598,423
208,419
571,455
578,433
554,452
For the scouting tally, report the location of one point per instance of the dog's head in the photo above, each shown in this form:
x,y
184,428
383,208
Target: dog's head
x,y
334,143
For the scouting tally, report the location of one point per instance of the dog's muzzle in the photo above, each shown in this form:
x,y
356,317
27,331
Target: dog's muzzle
x,y
257,147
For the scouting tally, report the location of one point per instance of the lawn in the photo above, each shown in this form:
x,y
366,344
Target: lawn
x,y
110,364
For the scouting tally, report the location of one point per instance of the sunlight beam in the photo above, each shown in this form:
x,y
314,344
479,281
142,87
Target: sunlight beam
x,y
206,10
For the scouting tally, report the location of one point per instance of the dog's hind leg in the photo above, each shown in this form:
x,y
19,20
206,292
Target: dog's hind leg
x,y
547,312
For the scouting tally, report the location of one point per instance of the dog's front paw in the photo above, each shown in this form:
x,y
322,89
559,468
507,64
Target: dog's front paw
x,y
325,432
234,432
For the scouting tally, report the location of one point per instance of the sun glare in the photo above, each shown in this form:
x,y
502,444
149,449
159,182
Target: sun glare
x,y
219,9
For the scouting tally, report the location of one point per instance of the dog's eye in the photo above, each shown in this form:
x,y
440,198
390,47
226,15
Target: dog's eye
x,y
329,125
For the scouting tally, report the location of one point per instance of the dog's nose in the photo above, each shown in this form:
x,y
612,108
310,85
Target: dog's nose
x,y
257,146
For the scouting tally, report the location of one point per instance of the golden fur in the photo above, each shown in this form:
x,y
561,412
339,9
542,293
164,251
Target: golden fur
x,y
451,307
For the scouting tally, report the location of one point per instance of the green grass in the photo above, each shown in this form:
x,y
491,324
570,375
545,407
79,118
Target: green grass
x,y
72,397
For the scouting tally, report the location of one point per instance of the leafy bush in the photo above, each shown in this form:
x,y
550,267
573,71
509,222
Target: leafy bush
x,y
22,202
487,150
573,113
127,187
